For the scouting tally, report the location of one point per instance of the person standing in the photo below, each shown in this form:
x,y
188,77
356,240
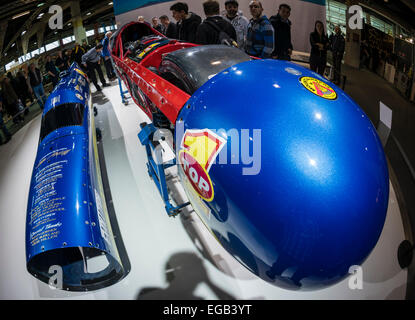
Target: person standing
x,y
282,33
11,100
208,31
92,60
62,61
24,88
3,128
337,48
169,28
77,52
260,36
156,25
187,22
319,45
35,80
86,46
238,21
106,55
51,71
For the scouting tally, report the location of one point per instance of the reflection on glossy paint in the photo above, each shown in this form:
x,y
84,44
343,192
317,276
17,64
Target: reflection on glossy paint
x,y
312,162
77,206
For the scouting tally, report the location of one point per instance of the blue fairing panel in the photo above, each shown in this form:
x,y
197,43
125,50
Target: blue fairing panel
x,y
68,226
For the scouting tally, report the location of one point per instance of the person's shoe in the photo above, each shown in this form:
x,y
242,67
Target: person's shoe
x,y
105,85
99,88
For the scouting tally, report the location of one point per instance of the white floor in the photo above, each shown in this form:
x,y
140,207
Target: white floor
x,y
165,262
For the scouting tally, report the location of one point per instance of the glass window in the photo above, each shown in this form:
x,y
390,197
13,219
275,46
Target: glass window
x,y
52,45
65,115
9,65
67,40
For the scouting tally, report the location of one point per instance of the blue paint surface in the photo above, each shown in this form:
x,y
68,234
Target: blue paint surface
x,y
319,202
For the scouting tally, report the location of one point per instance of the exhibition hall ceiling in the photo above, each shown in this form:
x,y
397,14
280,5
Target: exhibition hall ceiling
x,y
16,17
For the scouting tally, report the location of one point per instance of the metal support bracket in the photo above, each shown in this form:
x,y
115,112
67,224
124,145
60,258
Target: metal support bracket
x,y
156,168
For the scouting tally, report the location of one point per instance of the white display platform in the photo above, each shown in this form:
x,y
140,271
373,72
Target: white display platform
x,y
163,252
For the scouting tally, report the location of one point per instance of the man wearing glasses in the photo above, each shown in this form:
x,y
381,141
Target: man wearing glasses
x,y
260,36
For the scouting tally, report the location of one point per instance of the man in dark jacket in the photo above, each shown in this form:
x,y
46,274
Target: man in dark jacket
x,y
208,31
156,25
35,83
169,28
187,22
77,53
3,128
62,61
282,33
337,48
24,88
50,68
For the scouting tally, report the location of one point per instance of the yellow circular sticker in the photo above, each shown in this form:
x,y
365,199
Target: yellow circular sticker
x,y
319,88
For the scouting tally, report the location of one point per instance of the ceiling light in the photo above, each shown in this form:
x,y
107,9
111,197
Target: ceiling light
x,y
40,15
23,32
110,3
88,13
40,4
13,45
20,15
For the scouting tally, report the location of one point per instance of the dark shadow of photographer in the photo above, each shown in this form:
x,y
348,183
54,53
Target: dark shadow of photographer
x,y
184,272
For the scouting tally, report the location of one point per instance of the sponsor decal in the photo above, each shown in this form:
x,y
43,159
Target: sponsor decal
x,y
141,55
319,88
198,151
81,72
79,96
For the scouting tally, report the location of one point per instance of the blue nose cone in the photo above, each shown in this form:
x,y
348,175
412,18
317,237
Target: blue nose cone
x,y
314,202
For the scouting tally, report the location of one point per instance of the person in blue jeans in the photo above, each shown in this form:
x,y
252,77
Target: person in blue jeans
x,y
3,128
35,84
106,55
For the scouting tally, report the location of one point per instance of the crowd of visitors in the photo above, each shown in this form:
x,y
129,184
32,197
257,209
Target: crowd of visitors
x,y
258,36
26,86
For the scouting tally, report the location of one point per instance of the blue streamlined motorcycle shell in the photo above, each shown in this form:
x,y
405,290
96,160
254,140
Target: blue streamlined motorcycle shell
x,y
68,231
286,171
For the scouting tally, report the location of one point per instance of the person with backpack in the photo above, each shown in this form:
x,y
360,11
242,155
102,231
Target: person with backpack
x,y
187,22
214,29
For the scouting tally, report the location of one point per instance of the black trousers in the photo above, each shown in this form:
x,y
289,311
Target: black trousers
x,y
318,64
92,67
337,66
108,68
